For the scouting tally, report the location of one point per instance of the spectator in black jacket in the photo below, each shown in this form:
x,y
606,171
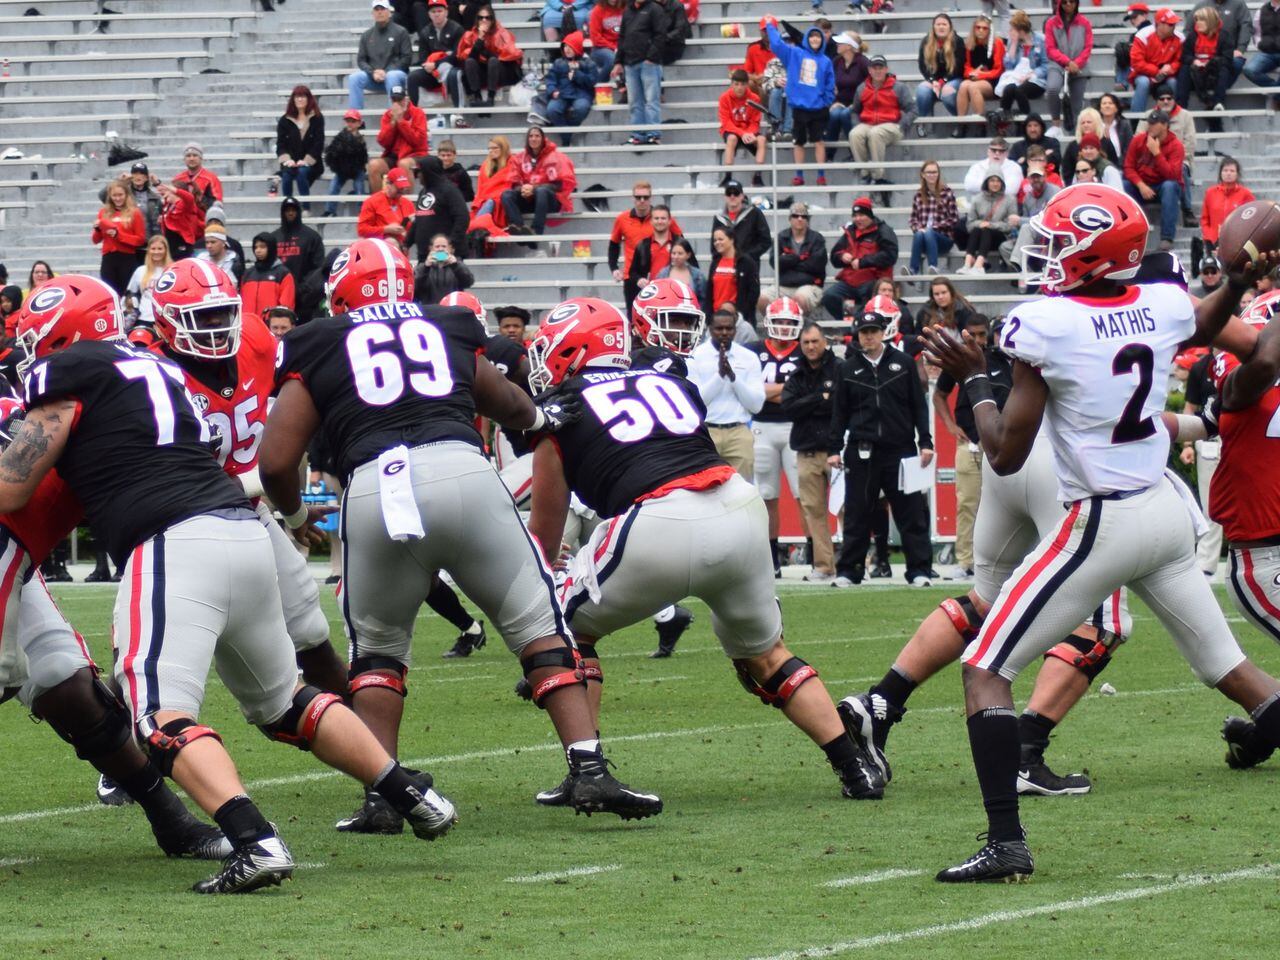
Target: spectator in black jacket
x,y
347,156
440,273
437,50
438,209
803,256
652,253
455,172
300,142
745,221
865,252
733,277
807,400
679,31
301,250
641,46
879,403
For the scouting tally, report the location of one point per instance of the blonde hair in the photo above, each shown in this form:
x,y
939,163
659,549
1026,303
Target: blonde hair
x,y
148,271
1092,115
1020,20
931,44
492,166
924,185
971,41
1212,19
129,206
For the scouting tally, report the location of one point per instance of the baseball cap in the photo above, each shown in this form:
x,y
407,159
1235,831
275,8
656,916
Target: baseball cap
x,y
799,210
869,321
437,3
385,4
353,114
864,204
397,92
1165,15
1210,265
845,38
1136,8
193,147
1158,116
215,229
879,60
399,178
732,188
139,167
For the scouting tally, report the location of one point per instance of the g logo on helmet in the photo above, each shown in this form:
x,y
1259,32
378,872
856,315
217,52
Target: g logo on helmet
x,y
166,282
46,300
565,311
1091,217
648,293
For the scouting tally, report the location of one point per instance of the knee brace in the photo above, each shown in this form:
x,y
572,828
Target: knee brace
x,y
297,725
780,687
571,673
1087,656
963,616
164,743
592,672
99,739
363,677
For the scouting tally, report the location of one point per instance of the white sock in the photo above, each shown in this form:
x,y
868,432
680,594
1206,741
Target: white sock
x,y
584,746
473,630
665,614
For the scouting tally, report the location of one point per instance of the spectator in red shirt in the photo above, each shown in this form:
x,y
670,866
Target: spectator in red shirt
x,y
740,123
403,137
1153,171
542,183
385,214
203,182
653,253
630,229
1155,56
267,283
983,64
602,27
182,220
489,56
121,231
1220,199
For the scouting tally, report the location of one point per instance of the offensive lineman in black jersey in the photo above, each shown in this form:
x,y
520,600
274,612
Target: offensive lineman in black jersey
x,y
199,583
682,522
396,388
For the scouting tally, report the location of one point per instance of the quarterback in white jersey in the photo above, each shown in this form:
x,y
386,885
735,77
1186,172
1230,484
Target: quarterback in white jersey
x,y
1092,363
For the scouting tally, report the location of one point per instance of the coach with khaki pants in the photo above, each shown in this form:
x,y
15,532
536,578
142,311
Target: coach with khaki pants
x,y
806,398
731,383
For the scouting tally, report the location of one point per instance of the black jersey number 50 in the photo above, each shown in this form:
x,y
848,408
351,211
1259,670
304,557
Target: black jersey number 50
x,y
1133,426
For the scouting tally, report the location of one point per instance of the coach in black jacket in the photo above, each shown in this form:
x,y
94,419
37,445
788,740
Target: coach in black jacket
x,y
879,402
807,399
745,220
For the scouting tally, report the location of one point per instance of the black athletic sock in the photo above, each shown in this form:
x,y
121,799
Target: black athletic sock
x,y
1033,731
993,738
241,821
1266,720
445,602
777,553
895,687
396,787
158,802
841,753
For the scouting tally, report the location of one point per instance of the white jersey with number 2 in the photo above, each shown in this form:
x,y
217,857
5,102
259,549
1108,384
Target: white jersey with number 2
x,y
1106,363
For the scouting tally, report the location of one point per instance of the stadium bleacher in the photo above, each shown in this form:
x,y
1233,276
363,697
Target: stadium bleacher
x,y
69,87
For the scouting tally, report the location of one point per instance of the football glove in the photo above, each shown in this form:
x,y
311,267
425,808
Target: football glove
x,y
554,411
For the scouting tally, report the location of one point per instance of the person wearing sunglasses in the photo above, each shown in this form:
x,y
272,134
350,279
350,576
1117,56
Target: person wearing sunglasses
x,y
630,229
490,58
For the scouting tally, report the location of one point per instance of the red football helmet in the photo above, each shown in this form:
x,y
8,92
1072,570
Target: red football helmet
x,y
198,310
887,311
783,319
66,309
1090,231
369,271
469,300
579,333
1259,313
666,314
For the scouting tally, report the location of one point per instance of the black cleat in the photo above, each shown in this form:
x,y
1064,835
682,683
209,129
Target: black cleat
x,y
465,643
1006,861
595,790
881,571
188,837
1037,780
669,633
261,863
433,816
375,815
557,796
1243,749
111,794
868,717
862,781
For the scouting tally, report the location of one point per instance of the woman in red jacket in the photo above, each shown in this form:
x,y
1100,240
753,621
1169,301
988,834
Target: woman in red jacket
x,y
494,177
180,220
1220,199
983,64
542,183
489,56
122,232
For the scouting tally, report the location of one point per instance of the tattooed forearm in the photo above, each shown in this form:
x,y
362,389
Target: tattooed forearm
x,y
29,444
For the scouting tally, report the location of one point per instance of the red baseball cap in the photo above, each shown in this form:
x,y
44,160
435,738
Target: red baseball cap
x,y
1165,15
353,114
1137,8
399,178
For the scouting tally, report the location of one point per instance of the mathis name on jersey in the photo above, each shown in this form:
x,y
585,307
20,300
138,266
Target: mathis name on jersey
x,y
1122,323
382,312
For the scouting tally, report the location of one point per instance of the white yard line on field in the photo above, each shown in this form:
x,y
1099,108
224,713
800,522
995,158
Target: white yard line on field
x,y
877,876
554,875
1012,916
16,861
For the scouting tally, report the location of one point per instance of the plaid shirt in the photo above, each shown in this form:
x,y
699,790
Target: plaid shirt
x,y
942,210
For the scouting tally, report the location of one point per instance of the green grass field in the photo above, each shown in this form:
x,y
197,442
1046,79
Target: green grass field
x,y
1172,855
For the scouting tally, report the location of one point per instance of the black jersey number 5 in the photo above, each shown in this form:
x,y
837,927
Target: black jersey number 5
x,y
1133,425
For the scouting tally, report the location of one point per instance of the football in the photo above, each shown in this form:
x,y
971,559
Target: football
x,y
1249,232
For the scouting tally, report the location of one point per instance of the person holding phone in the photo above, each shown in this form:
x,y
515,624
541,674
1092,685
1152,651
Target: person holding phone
x,y
441,273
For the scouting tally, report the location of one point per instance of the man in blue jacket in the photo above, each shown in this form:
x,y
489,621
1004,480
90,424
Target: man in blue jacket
x,y
811,89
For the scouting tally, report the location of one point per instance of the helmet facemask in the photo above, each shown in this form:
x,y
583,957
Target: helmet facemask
x,y
208,330
678,329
